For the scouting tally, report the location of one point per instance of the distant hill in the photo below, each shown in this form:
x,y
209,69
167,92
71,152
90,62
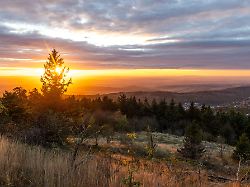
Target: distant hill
x,y
213,97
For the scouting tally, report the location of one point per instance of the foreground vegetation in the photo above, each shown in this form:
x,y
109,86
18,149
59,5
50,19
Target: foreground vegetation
x,y
24,165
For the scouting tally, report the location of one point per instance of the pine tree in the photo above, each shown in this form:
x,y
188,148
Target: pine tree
x,y
181,113
122,102
242,150
193,147
54,80
193,113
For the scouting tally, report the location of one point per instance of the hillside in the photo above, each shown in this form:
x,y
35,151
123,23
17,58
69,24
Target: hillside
x,y
212,97
24,165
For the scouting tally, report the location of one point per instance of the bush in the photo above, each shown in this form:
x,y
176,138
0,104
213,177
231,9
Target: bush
x,y
242,150
51,128
193,147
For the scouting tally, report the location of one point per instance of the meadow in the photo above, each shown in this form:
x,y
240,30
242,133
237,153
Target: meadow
x,y
25,165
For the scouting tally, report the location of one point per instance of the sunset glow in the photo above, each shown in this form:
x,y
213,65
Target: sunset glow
x,y
107,80
126,44
78,73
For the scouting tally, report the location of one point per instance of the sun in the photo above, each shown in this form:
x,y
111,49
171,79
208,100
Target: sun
x,y
58,70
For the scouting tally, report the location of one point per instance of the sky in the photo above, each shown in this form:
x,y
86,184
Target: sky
x,y
101,38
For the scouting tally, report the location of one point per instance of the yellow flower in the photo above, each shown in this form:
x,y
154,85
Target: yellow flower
x,y
131,135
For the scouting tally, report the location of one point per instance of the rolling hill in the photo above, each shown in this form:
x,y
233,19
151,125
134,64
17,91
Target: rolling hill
x,y
211,97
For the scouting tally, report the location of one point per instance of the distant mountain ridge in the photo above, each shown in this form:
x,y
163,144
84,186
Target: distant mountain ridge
x,y
211,97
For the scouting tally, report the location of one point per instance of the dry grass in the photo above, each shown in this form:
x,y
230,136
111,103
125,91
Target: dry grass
x,y
23,165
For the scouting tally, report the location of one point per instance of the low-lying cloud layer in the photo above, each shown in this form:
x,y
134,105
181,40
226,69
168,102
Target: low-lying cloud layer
x,y
127,34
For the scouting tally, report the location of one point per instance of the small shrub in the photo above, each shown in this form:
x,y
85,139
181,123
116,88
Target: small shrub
x,y
242,150
193,147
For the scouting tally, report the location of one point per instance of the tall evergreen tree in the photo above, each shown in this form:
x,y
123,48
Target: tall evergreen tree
x,y
54,79
193,147
181,113
122,102
193,112
208,120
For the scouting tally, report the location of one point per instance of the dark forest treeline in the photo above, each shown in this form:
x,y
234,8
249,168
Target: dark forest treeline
x,y
173,118
33,115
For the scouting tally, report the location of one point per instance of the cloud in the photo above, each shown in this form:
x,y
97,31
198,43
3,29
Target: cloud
x,y
127,34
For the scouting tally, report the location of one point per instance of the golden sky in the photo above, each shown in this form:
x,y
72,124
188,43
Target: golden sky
x,y
37,72
126,45
115,80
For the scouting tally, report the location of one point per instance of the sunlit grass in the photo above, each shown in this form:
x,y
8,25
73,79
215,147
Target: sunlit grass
x,y
23,165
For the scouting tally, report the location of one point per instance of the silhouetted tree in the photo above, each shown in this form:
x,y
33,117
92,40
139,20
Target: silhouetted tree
x,y
208,120
15,114
146,108
154,107
54,80
122,103
193,112
181,113
160,113
171,112
35,102
16,105
50,121
238,121
108,104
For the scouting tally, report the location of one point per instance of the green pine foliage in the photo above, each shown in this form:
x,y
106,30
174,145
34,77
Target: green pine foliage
x,y
242,150
192,147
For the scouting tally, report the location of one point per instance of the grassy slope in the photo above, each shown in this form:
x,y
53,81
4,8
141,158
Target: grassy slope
x,y
24,165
